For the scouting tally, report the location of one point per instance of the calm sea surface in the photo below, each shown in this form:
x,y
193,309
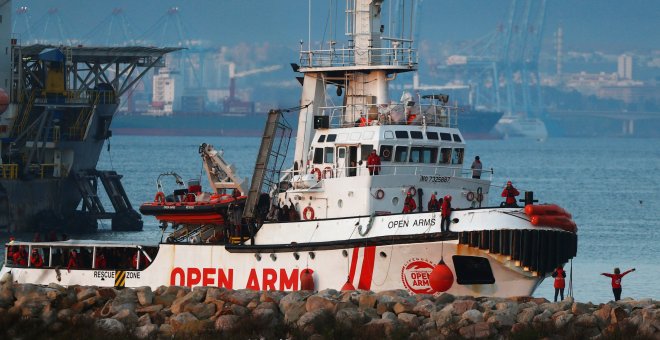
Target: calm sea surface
x,y
611,186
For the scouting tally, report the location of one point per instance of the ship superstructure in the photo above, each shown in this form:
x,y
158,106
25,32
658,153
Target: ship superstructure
x,y
345,223
60,101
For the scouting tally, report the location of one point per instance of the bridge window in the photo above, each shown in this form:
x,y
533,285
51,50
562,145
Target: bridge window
x,y
365,150
401,154
388,135
446,155
318,156
458,156
329,154
401,134
321,139
430,155
416,155
457,138
386,153
445,136
432,135
331,138
416,135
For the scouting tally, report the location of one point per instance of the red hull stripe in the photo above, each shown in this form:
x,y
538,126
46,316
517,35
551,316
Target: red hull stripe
x,y
354,258
367,268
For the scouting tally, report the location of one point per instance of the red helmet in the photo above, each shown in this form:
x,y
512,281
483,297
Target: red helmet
x,y
449,198
508,183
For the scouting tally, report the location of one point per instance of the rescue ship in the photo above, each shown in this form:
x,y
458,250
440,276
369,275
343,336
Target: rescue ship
x,y
352,232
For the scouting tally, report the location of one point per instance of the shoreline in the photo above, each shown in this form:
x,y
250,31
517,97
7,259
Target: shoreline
x,y
28,310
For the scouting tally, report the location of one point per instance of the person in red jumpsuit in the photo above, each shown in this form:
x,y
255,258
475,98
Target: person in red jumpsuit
x,y
35,260
445,213
73,261
559,274
616,281
433,203
20,257
510,193
409,205
373,163
101,262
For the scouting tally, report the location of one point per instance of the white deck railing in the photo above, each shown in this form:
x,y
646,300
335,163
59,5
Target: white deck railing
x,y
391,114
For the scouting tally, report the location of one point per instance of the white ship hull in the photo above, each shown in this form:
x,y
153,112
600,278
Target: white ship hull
x,y
397,252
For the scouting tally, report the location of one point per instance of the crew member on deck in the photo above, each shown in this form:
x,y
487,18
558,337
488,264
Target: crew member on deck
x,y
73,261
445,213
433,203
20,257
101,263
409,204
35,260
616,281
373,163
559,274
510,193
476,168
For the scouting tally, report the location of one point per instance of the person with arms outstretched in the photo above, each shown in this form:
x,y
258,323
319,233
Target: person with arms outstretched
x,y
616,281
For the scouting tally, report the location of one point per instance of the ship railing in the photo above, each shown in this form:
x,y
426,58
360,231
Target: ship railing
x,y
77,97
440,173
9,171
56,255
391,114
403,56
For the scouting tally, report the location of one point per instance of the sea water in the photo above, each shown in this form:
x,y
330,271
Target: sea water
x,y
611,186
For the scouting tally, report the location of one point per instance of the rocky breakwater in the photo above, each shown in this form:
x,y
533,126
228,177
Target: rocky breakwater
x,y
30,310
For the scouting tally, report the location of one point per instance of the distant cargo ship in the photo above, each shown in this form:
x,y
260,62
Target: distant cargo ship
x,y
473,123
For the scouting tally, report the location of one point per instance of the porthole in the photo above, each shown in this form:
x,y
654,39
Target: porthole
x,y
312,255
340,203
382,254
395,201
344,253
273,257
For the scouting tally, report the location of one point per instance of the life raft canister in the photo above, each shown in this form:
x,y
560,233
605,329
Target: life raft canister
x,y
308,213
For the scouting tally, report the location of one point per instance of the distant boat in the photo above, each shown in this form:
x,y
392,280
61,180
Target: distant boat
x,y
522,127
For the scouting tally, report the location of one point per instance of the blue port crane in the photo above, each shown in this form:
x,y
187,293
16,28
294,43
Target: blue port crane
x,y
114,30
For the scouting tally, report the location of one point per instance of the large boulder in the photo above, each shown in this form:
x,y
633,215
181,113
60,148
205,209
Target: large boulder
x,y
227,323
145,296
350,318
314,321
316,302
193,297
479,330
146,332
110,326
293,306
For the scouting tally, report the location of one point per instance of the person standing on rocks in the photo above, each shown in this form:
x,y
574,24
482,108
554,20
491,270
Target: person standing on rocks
x,y
559,274
616,281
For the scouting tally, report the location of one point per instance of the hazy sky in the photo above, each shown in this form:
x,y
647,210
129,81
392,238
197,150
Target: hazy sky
x,y
588,24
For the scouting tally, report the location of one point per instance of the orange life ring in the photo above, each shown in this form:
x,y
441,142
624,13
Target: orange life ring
x,y
160,197
316,171
412,191
308,213
380,194
327,172
470,196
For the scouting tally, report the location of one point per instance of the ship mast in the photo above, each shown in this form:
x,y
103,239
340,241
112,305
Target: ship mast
x,y
361,67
